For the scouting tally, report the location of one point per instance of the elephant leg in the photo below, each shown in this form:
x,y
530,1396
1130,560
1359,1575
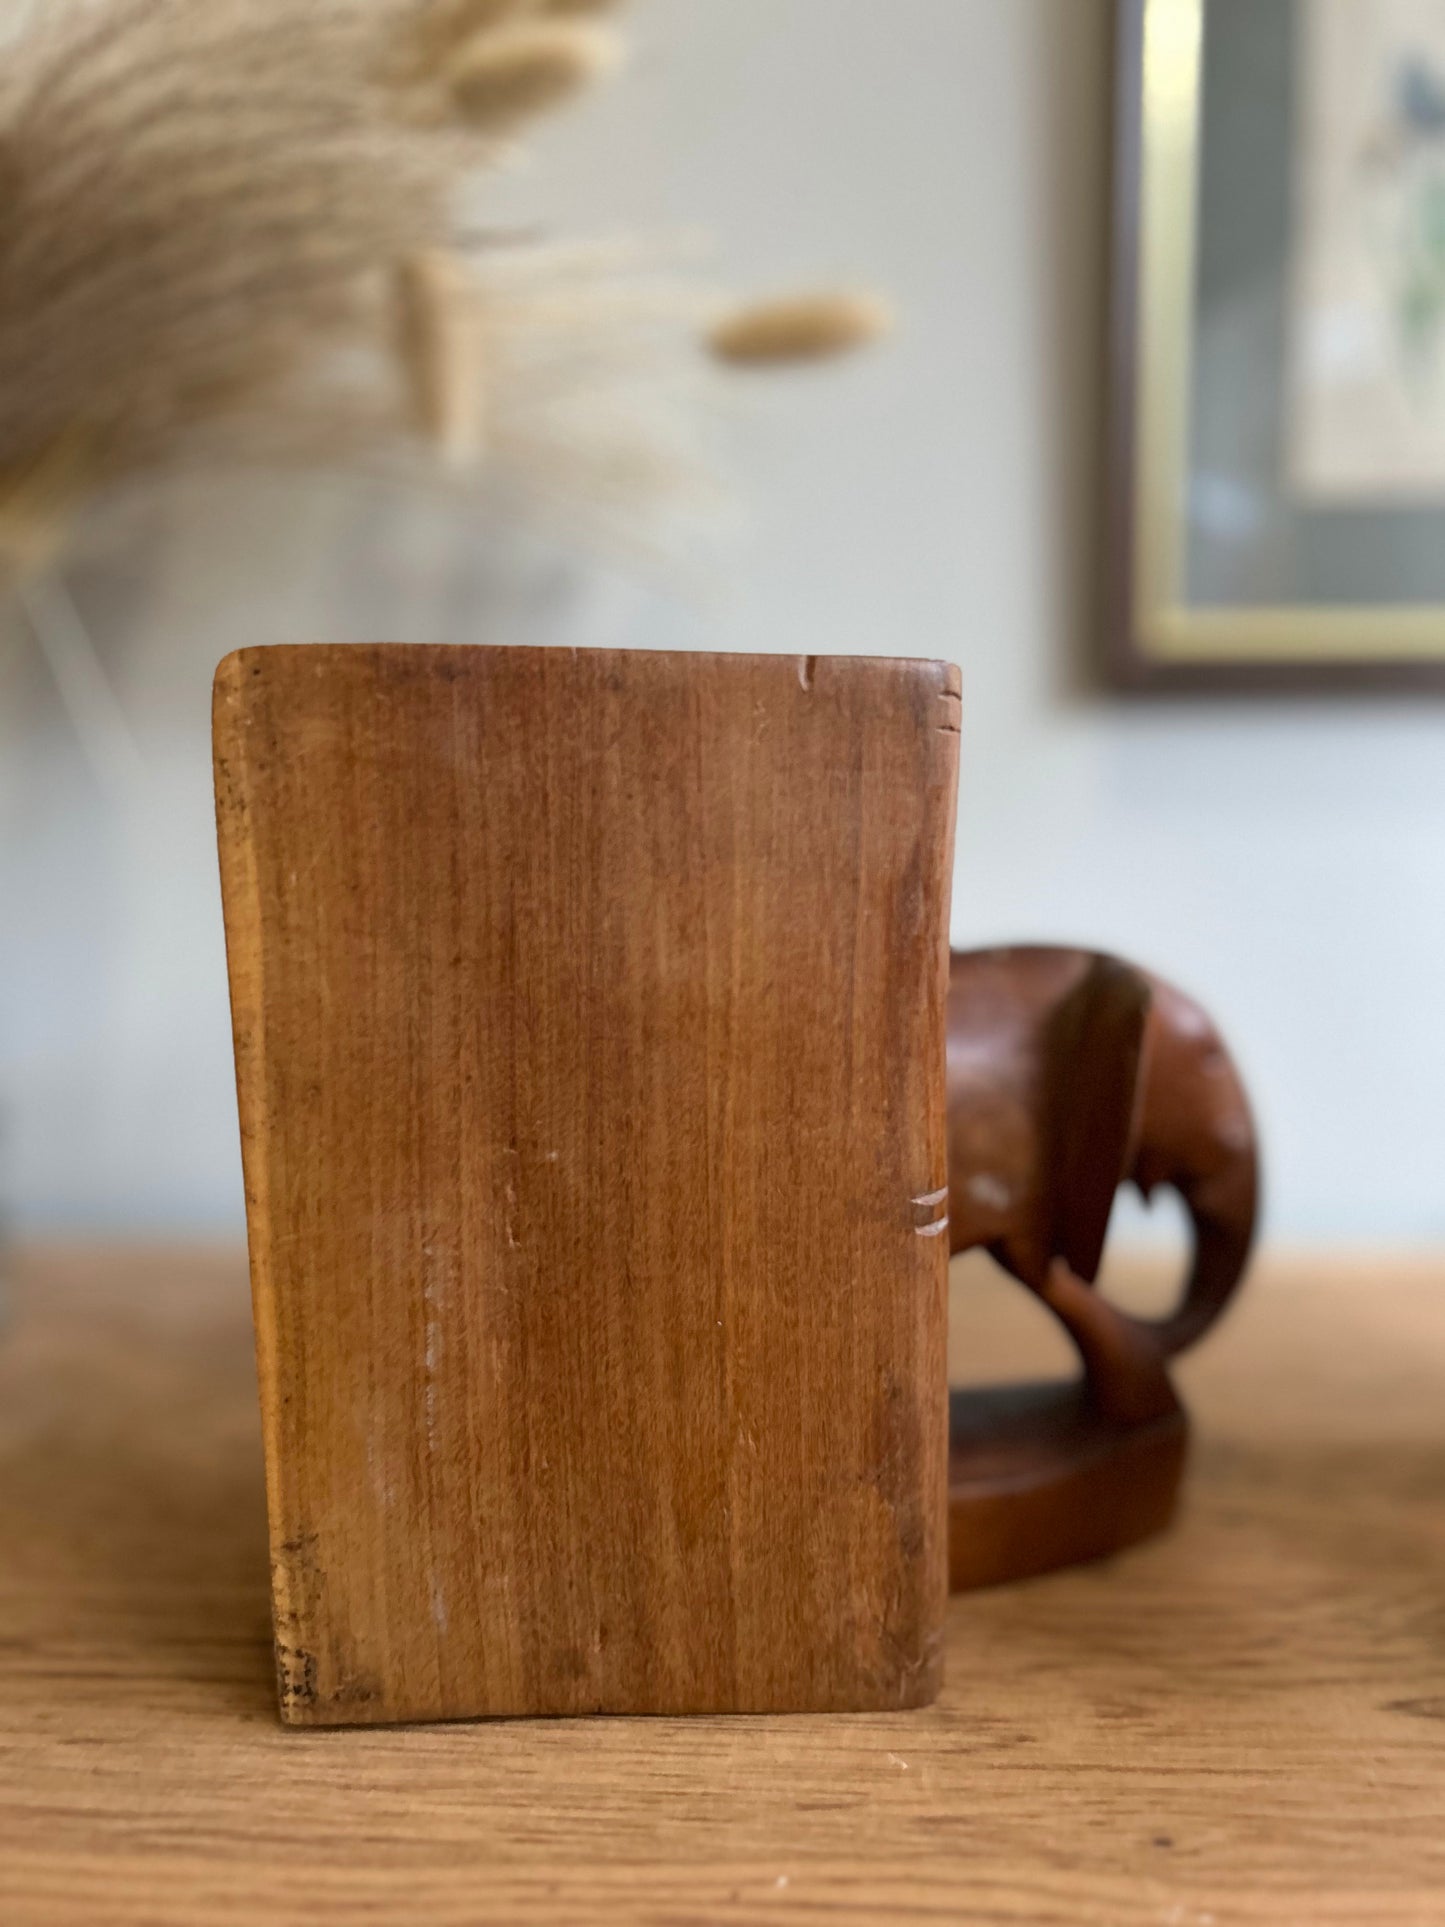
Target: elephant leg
x,y
1124,1375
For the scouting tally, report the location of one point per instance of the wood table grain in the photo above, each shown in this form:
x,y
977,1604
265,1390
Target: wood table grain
x,y
1243,1722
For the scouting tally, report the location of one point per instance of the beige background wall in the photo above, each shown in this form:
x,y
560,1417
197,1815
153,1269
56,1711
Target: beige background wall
x,y
1286,862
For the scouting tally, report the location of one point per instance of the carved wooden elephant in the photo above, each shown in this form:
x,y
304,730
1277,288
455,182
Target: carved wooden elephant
x,y
1070,1073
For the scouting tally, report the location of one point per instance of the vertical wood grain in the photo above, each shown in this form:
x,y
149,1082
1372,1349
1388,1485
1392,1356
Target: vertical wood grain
x,y
589,1014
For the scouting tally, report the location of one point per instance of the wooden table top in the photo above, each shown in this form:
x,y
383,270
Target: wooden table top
x,y
1243,1722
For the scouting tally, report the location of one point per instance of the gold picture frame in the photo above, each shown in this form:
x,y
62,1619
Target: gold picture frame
x,y
1160,636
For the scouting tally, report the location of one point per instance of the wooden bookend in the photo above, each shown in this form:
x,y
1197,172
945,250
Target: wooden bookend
x,y
589,1018
1068,1075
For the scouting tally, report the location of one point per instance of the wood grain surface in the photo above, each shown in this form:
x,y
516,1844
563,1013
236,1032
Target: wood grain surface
x,y
589,1014
1243,1722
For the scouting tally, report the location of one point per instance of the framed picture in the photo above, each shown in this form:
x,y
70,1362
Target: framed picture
x,y
1278,420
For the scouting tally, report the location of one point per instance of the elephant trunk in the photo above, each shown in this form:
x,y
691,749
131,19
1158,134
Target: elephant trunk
x,y
1222,1212
1196,1135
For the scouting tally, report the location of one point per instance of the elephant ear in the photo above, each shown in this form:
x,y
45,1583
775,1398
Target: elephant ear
x,y
1094,1058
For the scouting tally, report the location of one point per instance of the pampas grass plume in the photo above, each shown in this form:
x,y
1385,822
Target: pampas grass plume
x,y
502,78
800,327
236,230
440,344
39,494
444,25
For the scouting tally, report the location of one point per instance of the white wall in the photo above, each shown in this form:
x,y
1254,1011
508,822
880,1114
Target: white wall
x,y
1288,863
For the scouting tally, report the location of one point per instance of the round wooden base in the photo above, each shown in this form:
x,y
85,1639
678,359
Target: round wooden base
x,y
1039,1478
